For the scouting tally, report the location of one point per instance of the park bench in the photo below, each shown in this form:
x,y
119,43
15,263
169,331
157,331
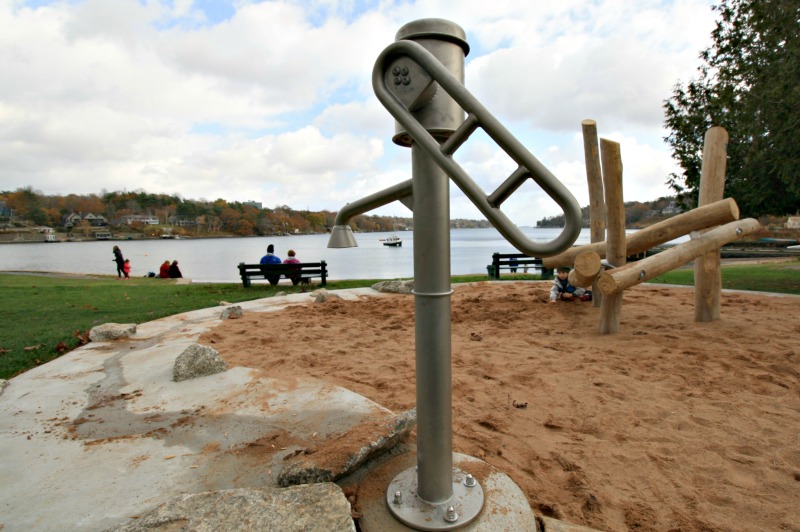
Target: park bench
x,y
304,270
514,262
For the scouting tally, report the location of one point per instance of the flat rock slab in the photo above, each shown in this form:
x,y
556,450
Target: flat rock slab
x,y
343,454
103,433
316,507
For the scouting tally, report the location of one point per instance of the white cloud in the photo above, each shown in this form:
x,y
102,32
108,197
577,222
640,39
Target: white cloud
x,y
274,103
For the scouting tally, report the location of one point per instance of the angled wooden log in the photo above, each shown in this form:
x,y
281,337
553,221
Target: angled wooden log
x,y
587,268
716,213
617,280
611,158
707,272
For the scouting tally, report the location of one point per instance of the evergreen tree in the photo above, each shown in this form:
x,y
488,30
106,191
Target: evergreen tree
x,y
749,84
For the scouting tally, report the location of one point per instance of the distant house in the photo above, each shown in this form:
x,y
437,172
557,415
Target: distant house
x,y
671,209
5,211
144,219
793,222
182,221
75,218
254,204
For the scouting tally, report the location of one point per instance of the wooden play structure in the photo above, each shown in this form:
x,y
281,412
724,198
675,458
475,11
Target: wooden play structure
x,y
714,223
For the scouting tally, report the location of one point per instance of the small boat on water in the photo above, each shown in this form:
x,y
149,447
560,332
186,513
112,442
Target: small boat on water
x,y
393,241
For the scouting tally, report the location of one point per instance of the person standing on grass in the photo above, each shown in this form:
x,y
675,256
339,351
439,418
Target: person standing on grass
x,y
126,269
119,260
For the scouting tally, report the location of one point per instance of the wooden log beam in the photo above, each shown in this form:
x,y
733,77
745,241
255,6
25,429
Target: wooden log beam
x,y
616,280
587,268
707,271
711,215
616,246
594,177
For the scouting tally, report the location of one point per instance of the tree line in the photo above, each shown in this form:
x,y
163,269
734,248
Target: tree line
x,y
638,214
25,206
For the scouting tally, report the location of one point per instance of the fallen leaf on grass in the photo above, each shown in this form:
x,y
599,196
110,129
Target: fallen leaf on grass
x,y
32,347
61,348
4,351
82,336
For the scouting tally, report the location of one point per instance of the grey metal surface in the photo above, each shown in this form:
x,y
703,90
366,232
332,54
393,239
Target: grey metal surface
x,y
432,326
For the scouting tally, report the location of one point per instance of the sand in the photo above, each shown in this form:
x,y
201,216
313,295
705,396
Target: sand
x,y
667,425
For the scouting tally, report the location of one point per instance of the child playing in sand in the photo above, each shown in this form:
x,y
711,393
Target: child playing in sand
x,y
564,291
126,269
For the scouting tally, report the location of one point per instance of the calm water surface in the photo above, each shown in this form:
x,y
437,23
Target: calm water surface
x,y
215,259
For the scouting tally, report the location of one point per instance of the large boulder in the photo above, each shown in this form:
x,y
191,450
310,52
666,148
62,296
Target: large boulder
x,y
317,507
112,331
198,361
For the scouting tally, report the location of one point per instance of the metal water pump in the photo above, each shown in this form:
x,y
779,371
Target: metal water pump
x,y
420,80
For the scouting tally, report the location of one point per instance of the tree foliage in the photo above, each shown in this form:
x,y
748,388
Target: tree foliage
x,y
749,83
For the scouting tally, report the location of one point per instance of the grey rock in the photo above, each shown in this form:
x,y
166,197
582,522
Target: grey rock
x,y
395,287
112,331
324,296
317,507
343,454
3,384
231,313
198,361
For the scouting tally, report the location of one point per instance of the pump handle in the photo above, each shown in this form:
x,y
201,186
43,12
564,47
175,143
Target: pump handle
x,y
477,116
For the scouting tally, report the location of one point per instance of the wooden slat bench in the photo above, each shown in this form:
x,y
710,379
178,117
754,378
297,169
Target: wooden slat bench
x,y
273,272
514,262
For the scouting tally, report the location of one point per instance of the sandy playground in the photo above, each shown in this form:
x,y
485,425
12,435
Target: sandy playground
x,y
668,425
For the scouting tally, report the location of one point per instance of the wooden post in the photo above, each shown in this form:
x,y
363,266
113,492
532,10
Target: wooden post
x,y
717,213
616,253
594,176
707,272
617,280
587,268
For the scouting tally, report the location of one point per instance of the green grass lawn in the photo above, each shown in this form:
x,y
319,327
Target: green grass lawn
x,y
779,277
42,317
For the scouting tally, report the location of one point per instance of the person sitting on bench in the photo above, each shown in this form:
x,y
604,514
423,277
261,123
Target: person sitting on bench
x,y
270,258
294,276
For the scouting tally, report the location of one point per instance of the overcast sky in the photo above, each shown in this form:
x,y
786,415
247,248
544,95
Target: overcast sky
x,y
272,101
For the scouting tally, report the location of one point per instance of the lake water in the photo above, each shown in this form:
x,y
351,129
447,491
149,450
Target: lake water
x,y
215,259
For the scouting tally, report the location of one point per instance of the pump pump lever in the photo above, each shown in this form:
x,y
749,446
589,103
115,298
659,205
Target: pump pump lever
x,y
410,57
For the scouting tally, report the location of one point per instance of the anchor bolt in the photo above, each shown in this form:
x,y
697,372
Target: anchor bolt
x,y
469,481
398,498
451,516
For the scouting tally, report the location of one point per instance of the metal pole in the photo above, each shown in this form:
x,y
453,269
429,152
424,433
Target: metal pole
x,y
432,323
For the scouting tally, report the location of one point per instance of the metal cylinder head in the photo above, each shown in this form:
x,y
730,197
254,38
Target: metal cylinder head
x,y
433,108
